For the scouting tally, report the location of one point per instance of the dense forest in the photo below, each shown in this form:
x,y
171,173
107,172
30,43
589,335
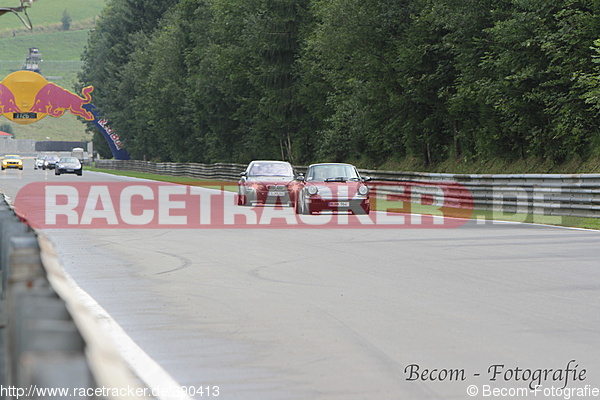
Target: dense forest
x,y
361,80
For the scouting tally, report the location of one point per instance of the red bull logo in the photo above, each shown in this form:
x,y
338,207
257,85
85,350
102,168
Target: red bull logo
x,y
111,134
27,97
54,100
7,101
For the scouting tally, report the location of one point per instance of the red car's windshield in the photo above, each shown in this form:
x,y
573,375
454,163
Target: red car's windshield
x,y
331,172
270,169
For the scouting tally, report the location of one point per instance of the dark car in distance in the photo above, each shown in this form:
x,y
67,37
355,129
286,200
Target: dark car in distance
x,y
50,162
68,165
266,182
333,187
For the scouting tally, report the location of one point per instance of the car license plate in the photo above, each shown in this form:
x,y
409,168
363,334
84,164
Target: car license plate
x,y
276,193
339,204
70,170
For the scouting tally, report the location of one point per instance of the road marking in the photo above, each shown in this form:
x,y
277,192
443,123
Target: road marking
x,y
159,381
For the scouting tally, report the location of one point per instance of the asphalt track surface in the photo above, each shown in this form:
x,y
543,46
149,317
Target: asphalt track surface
x,y
348,314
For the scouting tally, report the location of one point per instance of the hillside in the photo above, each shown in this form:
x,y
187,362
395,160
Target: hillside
x,y
61,51
46,15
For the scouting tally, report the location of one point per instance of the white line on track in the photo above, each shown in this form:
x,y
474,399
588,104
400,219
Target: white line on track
x,y
161,384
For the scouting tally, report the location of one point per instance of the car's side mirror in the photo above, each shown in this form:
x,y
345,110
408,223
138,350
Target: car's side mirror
x,y
366,178
300,178
244,173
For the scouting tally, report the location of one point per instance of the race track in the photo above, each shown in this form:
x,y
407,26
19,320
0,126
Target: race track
x,y
346,313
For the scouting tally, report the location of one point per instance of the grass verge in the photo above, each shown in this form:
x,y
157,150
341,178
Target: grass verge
x,y
381,205
484,215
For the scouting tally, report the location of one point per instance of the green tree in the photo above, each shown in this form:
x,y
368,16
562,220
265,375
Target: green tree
x,y
358,80
100,144
245,87
7,127
221,88
171,115
66,21
123,26
591,81
532,56
275,44
351,57
464,23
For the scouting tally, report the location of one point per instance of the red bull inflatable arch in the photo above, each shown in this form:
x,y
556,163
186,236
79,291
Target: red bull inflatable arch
x,y
27,97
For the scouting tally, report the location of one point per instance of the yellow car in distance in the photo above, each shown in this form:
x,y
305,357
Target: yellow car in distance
x,y
12,161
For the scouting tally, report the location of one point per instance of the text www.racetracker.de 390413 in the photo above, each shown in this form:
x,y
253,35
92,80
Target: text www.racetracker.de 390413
x,y
36,392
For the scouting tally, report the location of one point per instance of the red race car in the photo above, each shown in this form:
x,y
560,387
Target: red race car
x,y
266,182
333,187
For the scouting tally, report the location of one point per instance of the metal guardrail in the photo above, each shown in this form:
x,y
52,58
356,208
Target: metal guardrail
x,y
48,340
545,194
224,172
